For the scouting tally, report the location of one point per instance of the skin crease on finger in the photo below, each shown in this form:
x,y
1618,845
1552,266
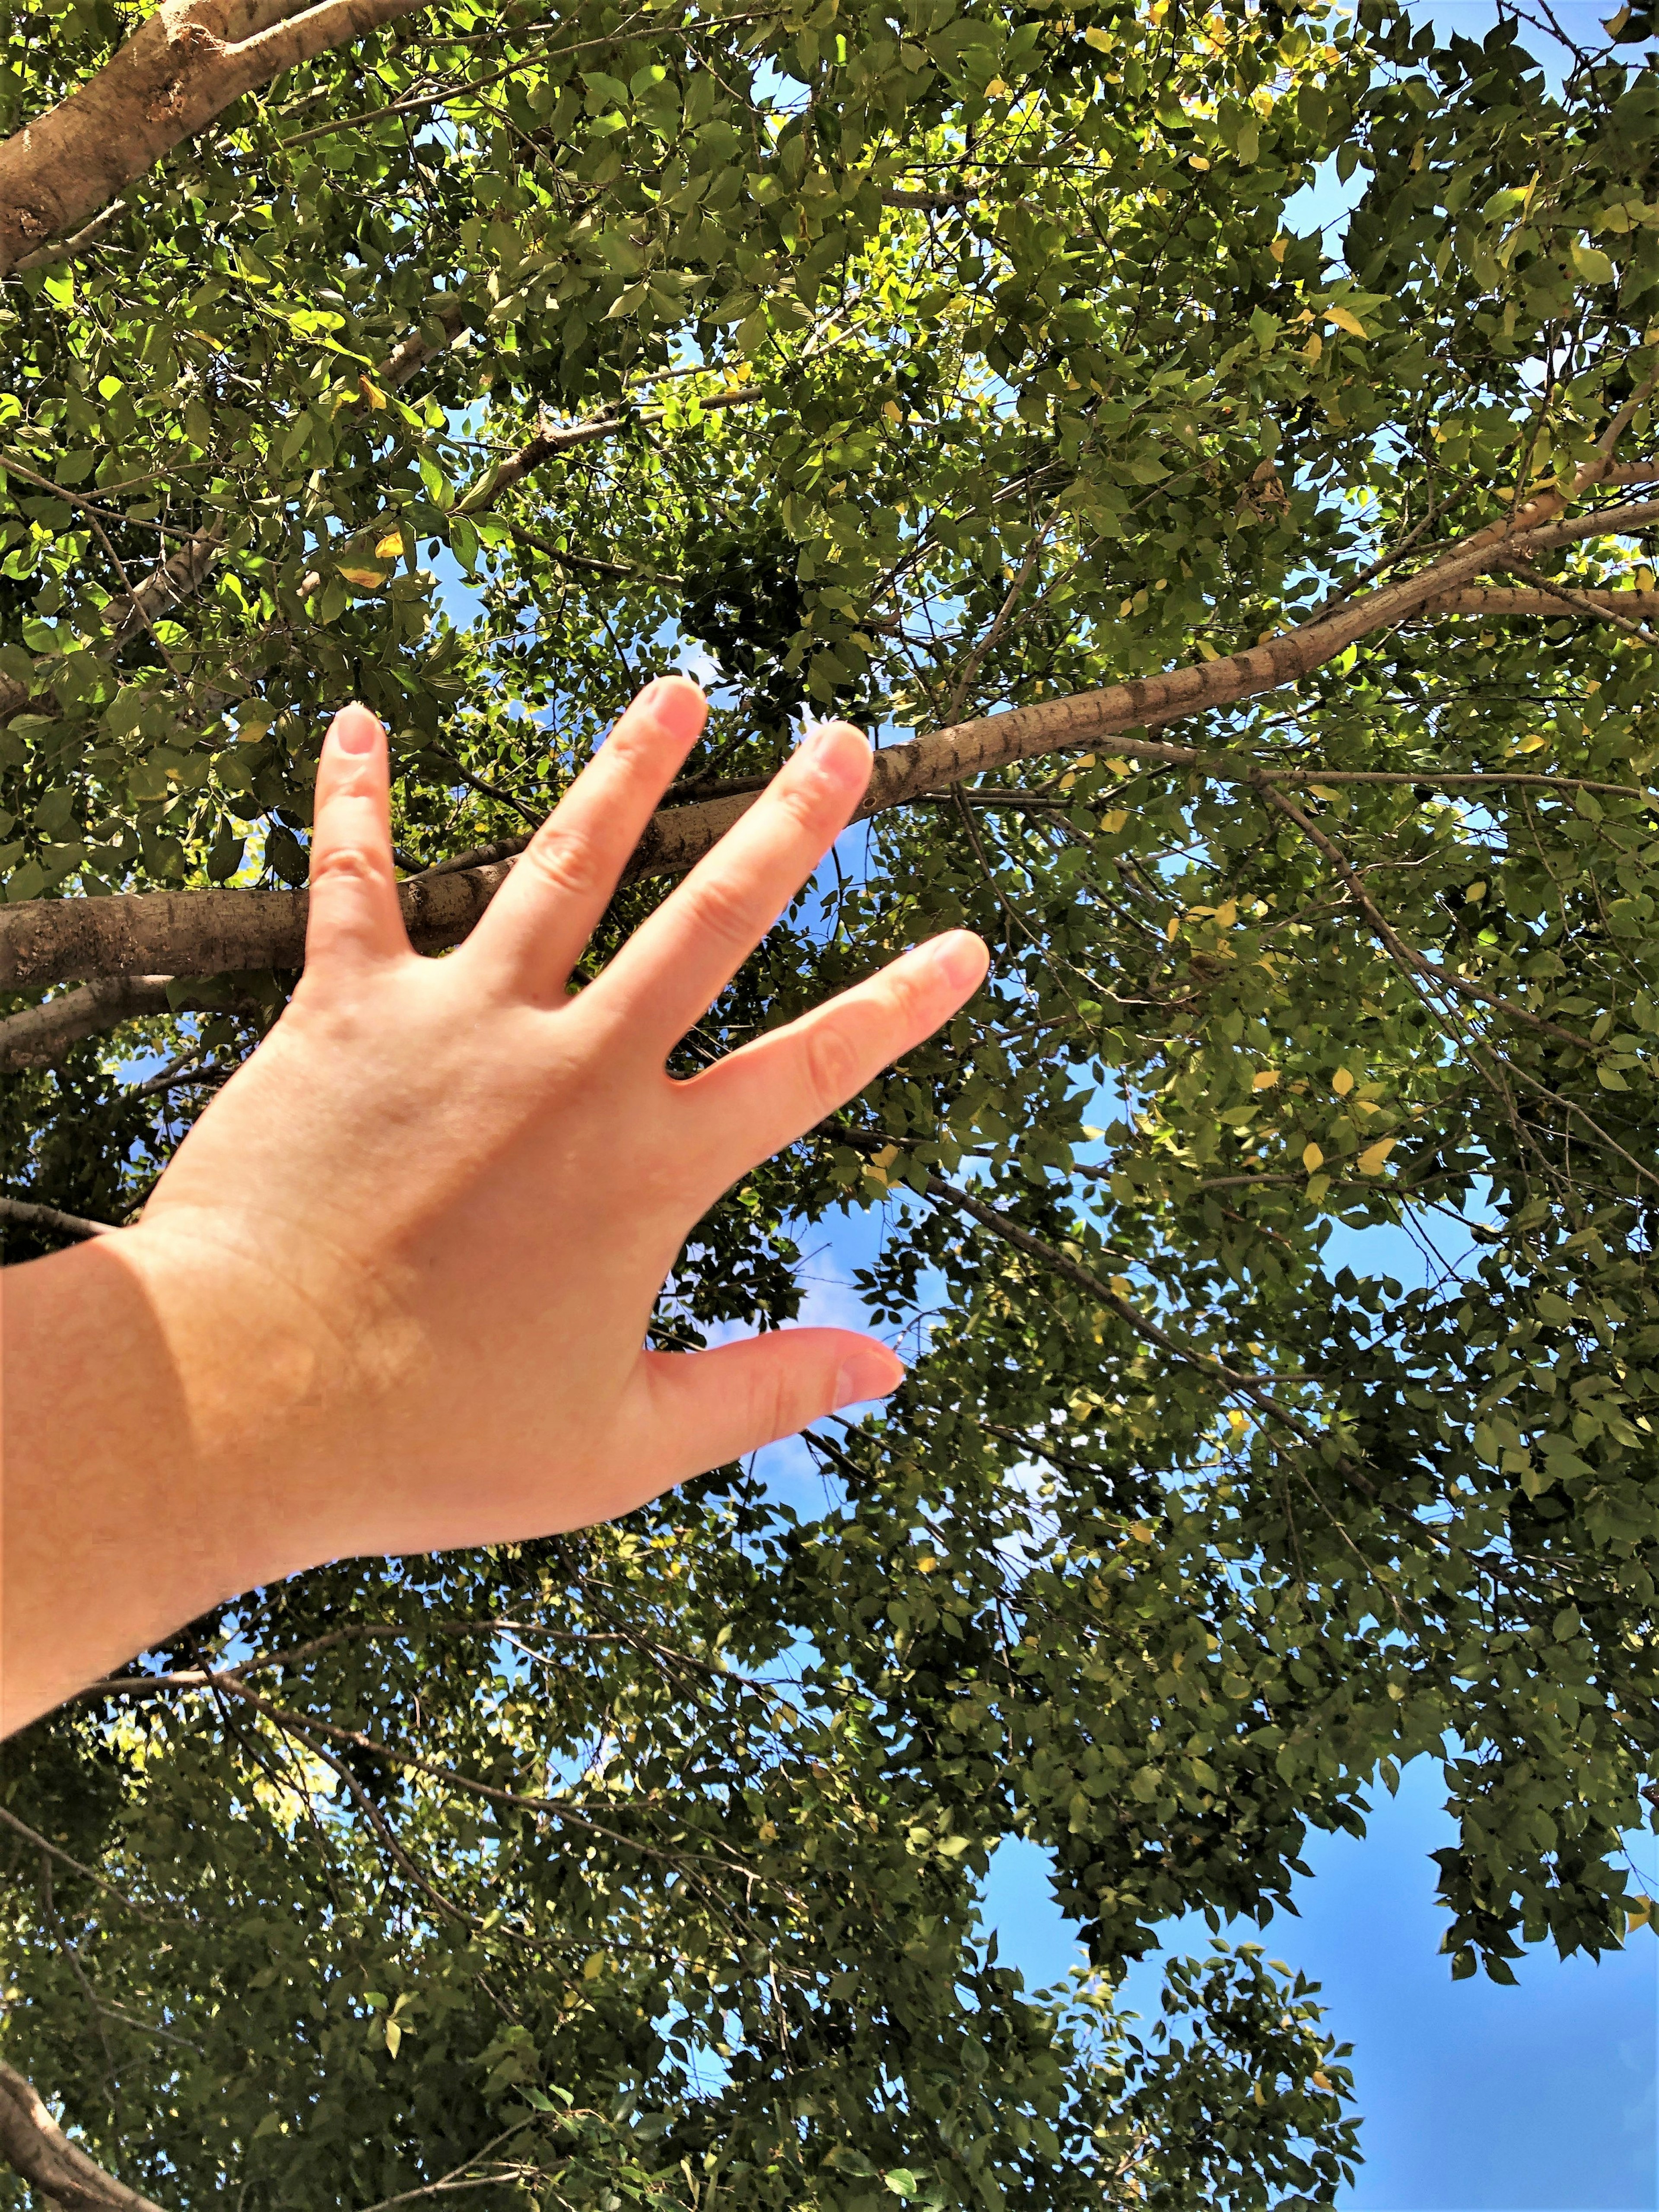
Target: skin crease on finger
x,y
392,1293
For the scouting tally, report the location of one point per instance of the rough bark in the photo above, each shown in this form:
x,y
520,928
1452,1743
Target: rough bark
x,y
182,67
34,2145
1498,600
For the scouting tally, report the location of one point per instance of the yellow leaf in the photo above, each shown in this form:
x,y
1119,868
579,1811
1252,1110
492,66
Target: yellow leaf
x,y
1120,1285
1277,249
1592,264
1342,1082
1099,39
1312,1157
1264,1079
594,1967
1475,893
1197,162
394,2036
891,411
769,1831
1345,321
1172,929
1371,1159
996,89
370,391
1321,2079
1112,822
390,548
367,579
1312,350
1226,914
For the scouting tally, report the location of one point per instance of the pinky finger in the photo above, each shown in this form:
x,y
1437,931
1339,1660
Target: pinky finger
x,y
774,1090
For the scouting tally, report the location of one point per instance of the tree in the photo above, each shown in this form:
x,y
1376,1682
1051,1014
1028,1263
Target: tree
x,y
1271,615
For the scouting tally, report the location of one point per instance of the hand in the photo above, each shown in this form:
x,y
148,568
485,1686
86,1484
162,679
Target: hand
x,y
392,1293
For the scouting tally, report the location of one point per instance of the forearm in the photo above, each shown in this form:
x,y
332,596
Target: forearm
x,y
130,1470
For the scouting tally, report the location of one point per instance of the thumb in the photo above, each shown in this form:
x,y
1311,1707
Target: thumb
x,y
702,1408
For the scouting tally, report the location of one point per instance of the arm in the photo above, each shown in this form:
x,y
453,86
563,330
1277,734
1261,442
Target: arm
x,y
392,1292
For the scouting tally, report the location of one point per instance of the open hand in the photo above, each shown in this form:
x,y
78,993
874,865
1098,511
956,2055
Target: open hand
x,y
392,1293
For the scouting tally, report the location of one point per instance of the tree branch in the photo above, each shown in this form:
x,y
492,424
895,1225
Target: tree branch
x,y
182,67
1438,978
1495,599
1083,1278
41,1036
27,1215
185,571
207,932
34,2146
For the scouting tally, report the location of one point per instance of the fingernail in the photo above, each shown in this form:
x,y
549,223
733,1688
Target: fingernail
x,y
961,958
826,747
667,694
354,730
872,1372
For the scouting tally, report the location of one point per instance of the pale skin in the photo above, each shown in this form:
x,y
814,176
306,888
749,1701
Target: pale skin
x,y
392,1293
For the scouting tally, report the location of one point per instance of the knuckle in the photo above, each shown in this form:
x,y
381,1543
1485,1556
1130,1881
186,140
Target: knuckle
x,y
833,1062
776,1407
721,910
805,802
341,864
564,861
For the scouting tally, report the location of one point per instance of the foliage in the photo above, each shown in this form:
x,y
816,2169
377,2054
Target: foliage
x,y
934,358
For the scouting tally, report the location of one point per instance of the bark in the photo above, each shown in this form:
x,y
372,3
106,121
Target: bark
x,y
1497,599
40,1035
34,2145
182,67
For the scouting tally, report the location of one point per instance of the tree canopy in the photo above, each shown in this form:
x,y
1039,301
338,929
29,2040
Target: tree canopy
x,y
1254,615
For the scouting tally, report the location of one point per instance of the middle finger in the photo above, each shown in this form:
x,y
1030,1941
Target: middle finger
x,y
679,961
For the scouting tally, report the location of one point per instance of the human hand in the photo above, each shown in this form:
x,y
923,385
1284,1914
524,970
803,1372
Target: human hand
x,y
399,1275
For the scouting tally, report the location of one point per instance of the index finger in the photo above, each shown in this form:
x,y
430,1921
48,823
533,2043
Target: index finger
x,y
681,957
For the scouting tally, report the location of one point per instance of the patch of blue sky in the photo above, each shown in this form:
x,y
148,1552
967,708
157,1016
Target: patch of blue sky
x,y
1476,2097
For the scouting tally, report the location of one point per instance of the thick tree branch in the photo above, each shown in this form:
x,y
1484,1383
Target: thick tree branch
x,y
182,67
41,1036
1496,599
35,2147
206,933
